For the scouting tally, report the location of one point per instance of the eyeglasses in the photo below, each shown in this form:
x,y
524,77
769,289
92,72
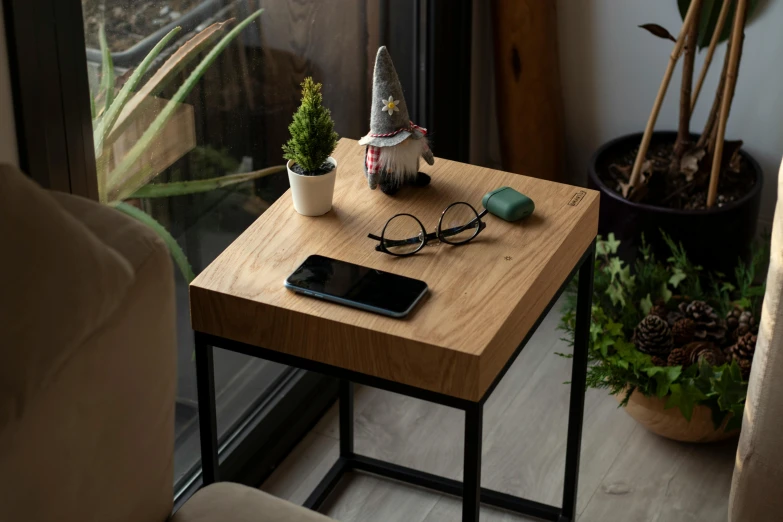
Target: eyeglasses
x,y
404,235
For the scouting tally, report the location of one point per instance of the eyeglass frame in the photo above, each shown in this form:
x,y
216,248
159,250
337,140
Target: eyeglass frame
x,y
438,234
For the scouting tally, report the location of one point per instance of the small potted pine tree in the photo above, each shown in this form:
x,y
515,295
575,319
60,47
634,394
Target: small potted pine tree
x,y
311,169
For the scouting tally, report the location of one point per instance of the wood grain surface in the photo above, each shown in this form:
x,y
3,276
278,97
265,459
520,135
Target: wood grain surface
x,y
527,83
484,297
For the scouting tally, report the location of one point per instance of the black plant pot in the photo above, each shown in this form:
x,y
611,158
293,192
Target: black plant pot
x,y
714,238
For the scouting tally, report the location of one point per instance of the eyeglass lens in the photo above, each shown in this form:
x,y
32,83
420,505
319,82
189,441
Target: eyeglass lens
x,y
459,224
403,235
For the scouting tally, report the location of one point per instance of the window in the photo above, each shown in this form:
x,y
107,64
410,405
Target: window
x,y
232,123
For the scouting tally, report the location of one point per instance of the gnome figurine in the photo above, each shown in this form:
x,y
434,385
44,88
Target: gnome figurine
x,y
394,143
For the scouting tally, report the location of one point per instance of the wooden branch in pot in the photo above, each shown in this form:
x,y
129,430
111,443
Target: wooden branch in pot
x,y
635,181
737,36
684,125
722,16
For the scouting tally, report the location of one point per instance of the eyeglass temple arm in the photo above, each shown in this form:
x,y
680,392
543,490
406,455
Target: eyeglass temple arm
x,y
402,242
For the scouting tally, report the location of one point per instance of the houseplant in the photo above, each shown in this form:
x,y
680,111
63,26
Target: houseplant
x,y
702,189
124,179
674,343
311,169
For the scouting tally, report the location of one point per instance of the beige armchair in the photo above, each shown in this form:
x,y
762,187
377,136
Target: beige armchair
x,y
757,486
88,371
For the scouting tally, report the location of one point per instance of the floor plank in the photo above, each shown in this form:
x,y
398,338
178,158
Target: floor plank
x,y
658,480
301,472
626,472
362,497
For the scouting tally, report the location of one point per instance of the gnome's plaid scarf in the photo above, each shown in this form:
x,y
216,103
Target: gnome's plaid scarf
x,y
373,155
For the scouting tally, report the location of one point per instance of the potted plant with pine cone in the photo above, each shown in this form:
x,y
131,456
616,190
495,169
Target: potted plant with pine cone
x,y
703,189
311,168
672,342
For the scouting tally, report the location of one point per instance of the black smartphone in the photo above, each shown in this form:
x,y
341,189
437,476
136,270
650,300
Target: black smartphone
x,y
357,286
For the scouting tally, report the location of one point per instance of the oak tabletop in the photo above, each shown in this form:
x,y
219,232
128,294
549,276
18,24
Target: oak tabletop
x,y
484,296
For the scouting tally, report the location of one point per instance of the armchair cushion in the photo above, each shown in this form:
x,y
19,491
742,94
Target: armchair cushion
x,y
227,502
88,371
44,250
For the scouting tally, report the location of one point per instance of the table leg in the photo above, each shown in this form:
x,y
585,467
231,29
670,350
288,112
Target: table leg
x,y
346,418
471,493
205,384
576,408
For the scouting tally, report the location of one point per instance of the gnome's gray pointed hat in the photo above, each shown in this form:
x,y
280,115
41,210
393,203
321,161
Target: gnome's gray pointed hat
x,y
390,123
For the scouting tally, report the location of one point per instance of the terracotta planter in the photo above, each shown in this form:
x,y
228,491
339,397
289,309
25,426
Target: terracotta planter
x,y
669,423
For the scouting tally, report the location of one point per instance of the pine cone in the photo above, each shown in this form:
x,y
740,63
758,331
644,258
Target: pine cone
x,y
683,331
653,336
732,318
678,357
673,316
744,348
660,310
746,323
657,361
707,326
744,366
704,351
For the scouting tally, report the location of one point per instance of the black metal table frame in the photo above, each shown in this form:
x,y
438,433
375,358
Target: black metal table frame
x,y
470,489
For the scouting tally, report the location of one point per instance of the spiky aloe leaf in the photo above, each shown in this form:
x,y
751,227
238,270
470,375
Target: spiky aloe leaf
x,y
116,106
173,65
182,188
107,68
125,183
175,250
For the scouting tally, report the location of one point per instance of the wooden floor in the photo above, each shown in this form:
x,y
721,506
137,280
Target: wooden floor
x,y
627,474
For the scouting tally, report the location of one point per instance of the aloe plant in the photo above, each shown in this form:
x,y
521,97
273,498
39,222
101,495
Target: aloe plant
x,y
111,109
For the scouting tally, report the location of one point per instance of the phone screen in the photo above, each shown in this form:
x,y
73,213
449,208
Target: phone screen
x,y
357,285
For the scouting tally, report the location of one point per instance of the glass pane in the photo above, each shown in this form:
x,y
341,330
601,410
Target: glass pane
x,y
231,120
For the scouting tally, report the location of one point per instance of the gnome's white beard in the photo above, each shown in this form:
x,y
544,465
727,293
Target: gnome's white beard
x,y
402,161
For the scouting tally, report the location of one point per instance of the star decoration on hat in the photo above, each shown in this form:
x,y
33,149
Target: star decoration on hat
x,y
390,105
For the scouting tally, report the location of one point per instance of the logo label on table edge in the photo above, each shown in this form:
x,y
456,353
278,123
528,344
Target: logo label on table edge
x,y
579,196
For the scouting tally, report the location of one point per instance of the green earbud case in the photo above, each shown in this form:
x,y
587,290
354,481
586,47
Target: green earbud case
x,y
506,203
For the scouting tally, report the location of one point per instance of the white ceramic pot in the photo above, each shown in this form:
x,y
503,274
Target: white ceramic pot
x,y
312,195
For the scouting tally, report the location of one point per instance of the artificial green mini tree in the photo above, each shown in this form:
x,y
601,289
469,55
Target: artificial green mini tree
x,y
312,131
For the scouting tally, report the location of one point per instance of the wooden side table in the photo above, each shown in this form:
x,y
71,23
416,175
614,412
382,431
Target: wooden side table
x,y
486,299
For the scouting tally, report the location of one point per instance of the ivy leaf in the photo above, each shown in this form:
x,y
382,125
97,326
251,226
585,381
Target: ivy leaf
x,y
613,329
614,267
626,278
600,245
612,244
727,287
729,387
735,421
743,303
596,330
603,344
666,294
677,277
628,352
664,377
706,374
616,294
646,304
685,395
